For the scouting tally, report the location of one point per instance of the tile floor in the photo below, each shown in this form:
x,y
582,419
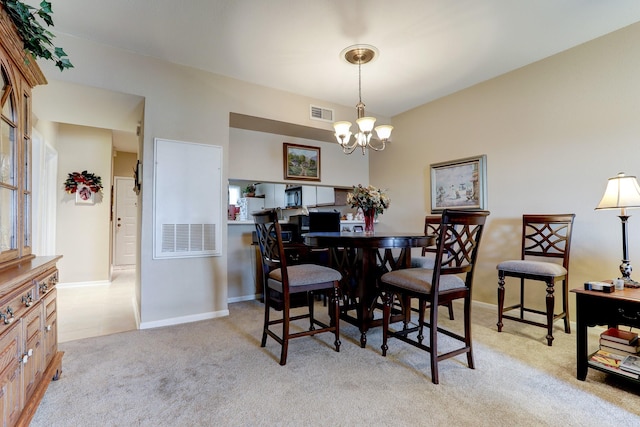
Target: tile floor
x,y
92,311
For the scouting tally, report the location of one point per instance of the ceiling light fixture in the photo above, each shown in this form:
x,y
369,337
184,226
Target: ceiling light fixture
x,y
361,54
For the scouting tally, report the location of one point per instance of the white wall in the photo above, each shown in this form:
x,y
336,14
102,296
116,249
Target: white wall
x,y
258,156
186,105
83,231
553,133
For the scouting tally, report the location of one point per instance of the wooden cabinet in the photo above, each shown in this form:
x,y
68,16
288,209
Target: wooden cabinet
x,y
11,398
29,357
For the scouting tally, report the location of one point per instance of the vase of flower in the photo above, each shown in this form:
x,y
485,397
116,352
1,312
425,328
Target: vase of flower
x,y
371,201
369,218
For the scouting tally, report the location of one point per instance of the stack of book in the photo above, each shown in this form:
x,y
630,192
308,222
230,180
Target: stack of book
x,y
631,364
614,340
611,362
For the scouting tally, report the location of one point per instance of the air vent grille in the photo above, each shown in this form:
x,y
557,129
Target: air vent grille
x,y
188,238
319,113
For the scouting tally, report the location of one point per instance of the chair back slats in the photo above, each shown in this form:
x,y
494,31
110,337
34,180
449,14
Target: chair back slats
x,y
269,238
431,227
458,242
547,236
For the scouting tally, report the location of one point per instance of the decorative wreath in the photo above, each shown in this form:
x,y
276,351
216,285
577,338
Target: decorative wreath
x,y
94,182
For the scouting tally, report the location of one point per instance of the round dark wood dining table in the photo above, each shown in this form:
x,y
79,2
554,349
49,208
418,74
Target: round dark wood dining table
x,y
362,258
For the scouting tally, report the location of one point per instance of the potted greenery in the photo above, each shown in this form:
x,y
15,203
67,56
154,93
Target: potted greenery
x,y
249,191
37,39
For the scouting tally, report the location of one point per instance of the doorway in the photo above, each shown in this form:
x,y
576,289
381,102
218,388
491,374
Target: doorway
x,y
125,222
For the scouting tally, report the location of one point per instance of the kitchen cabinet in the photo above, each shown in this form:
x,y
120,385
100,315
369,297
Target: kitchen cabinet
x,y
273,194
325,196
309,197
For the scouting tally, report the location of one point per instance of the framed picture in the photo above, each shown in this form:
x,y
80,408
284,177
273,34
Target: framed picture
x,y
301,162
84,195
459,184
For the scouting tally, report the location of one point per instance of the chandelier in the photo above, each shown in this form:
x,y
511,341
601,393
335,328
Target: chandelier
x,y
361,54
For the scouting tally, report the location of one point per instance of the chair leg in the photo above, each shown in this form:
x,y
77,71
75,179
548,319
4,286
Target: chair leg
x,y
451,311
387,299
500,299
467,331
522,298
550,299
335,303
433,342
285,333
565,305
422,307
267,302
311,299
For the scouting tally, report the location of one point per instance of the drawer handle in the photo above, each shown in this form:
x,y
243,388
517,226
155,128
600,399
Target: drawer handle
x,y
633,317
27,300
7,317
44,287
48,328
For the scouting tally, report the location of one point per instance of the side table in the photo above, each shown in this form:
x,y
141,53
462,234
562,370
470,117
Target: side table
x,y
621,307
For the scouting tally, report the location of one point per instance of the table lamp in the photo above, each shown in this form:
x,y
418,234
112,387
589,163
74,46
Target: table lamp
x,y
622,192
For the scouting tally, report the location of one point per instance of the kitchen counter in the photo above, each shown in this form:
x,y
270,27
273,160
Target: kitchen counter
x,y
250,222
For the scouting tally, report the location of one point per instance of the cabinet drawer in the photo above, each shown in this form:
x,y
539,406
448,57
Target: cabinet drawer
x,y
46,281
16,304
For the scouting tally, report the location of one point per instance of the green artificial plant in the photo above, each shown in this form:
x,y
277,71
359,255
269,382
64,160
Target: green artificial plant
x,y
37,40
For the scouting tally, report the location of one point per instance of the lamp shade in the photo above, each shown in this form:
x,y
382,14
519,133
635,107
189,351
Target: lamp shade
x,y
384,131
366,123
622,192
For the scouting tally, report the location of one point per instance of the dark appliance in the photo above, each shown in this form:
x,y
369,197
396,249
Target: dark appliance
x,y
299,225
324,221
293,197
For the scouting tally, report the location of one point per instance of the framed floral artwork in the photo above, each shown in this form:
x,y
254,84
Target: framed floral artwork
x,y
459,184
301,162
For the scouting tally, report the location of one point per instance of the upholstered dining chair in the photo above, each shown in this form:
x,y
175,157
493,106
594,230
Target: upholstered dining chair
x,y
428,257
283,281
544,238
451,278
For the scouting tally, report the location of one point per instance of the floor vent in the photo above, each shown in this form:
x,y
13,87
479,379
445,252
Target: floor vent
x,y
319,113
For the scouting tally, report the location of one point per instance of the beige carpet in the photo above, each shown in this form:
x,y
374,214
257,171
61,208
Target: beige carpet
x,y
215,373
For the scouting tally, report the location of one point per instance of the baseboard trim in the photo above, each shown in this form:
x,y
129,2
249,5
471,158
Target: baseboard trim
x,y
244,298
183,319
83,284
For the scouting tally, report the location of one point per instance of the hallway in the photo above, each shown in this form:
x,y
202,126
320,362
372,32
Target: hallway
x,y
97,310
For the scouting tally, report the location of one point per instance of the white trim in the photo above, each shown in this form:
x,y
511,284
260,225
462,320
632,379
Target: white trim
x,y
184,319
244,298
83,284
136,312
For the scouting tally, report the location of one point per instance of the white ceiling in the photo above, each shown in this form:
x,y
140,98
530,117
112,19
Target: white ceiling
x,y
428,48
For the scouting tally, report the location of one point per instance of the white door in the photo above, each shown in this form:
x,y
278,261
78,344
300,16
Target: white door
x,y
125,222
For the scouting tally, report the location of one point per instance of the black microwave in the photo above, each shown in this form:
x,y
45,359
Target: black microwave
x,y
293,197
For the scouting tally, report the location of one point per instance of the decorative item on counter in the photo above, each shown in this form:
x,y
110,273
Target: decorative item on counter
x,y
371,200
249,191
85,186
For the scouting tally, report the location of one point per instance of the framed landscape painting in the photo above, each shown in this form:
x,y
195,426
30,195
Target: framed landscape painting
x,y
301,162
459,184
